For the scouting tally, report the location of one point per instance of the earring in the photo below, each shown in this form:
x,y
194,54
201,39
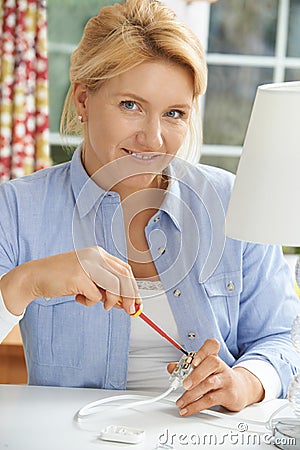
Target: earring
x,y
79,118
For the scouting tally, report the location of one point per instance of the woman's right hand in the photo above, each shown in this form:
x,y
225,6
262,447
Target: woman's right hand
x,y
90,274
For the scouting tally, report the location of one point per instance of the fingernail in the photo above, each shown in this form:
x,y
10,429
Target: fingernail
x,y
132,309
183,411
187,384
196,362
179,403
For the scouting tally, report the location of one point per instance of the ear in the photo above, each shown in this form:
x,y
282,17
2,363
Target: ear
x,y
80,95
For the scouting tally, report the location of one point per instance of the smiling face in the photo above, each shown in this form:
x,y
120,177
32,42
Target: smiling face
x,y
142,114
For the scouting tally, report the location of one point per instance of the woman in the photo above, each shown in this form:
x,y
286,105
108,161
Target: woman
x,y
129,218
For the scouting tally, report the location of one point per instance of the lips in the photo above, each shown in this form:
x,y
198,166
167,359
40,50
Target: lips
x,y
141,156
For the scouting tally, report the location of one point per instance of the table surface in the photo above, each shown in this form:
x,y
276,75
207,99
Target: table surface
x,y
35,418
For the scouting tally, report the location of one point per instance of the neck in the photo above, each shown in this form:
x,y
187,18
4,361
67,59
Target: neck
x,y
152,193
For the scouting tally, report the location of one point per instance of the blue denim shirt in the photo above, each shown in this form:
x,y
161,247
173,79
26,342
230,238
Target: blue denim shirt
x,y
239,293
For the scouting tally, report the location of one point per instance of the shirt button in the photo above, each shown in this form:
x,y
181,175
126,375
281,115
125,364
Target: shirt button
x,y
156,219
191,335
177,293
230,286
161,250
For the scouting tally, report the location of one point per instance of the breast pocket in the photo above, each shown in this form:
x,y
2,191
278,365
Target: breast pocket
x,y
223,292
60,332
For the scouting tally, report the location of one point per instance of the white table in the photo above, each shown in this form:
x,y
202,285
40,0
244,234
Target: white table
x,y
42,418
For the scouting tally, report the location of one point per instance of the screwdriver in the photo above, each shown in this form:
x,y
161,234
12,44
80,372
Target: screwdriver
x,y
139,313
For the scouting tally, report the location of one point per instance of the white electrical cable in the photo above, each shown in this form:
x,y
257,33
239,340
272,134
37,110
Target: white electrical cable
x,y
269,424
149,400
177,377
92,408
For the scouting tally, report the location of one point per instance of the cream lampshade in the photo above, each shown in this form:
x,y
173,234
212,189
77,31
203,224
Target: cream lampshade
x,y
265,202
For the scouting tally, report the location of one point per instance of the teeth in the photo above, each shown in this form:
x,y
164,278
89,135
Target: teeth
x,y
140,156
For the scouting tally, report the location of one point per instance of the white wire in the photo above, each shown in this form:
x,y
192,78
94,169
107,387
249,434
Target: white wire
x,y
269,424
210,412
149,400
91,408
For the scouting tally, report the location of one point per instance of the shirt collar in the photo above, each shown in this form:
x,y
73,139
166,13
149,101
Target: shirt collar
x,y
172,203
86,192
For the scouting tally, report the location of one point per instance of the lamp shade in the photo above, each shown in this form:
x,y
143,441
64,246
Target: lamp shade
x,y
265,202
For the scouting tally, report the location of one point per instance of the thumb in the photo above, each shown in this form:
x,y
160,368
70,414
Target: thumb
x,y
171,366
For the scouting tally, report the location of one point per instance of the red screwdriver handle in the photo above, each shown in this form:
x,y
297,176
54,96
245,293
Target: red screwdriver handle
x,y
138,308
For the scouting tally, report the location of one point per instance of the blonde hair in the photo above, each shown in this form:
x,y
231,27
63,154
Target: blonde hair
x,y
124,35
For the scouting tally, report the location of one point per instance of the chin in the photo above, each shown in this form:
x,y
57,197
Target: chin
x,y
141,181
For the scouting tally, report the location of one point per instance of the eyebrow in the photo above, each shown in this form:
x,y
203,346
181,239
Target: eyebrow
x,y
141,99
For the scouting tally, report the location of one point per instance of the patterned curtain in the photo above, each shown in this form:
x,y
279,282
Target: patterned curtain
x,y
24,118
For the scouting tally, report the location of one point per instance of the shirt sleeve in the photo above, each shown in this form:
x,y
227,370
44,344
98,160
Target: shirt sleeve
x,y
7,319
267,308
266,374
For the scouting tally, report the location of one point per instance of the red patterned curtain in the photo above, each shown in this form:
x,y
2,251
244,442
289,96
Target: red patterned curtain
x,y
24,118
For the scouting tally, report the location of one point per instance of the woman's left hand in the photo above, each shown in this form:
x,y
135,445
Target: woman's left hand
x,y
212,382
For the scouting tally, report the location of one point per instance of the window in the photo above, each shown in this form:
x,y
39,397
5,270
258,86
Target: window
x,y
66,20
249,43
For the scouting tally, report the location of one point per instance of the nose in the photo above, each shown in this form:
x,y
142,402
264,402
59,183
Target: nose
x,y
150,134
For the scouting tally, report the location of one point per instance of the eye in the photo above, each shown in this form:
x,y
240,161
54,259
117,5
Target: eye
x,y
129,104
175,114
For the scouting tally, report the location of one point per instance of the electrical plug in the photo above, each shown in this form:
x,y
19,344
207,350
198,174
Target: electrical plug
x,y
182,370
